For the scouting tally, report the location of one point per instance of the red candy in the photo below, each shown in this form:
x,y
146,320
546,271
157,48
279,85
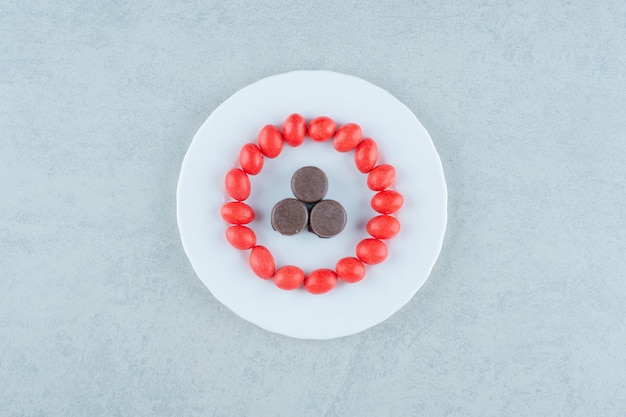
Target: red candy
x,y
289,277
321,128
347,137
387,202
294,130
270,141
383,227
320,281
251,159
262,262
237,184
366,155
371,251
236,212
381,177
241,237
350,269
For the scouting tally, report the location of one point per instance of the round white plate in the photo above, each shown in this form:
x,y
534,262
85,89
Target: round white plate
x,y
402,142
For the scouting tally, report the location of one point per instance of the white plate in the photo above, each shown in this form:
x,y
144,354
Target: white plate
x,y
402,142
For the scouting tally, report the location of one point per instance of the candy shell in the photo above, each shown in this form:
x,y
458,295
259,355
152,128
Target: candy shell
x,y
236,212
320,281
241,237
350,269
289,277
347,137
251,159
321,128
294,130
387,201
381,177
383,227
270,141
262,262
237,184
365,155
371,251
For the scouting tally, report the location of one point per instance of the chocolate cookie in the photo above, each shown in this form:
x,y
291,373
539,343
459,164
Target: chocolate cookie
x,y
309,184
327,218
289,216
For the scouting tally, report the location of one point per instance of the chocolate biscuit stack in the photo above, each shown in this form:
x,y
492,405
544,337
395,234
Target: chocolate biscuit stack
x,y
325,218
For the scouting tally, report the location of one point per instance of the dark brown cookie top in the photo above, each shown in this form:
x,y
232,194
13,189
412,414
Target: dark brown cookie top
x,y
289,216
327,218
309,184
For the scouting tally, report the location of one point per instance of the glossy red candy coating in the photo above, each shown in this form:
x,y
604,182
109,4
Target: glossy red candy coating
x,y
320,281
350,269
270,141
237,184
289,277
241,237
236,212
294,130
347,137
381,177
387,201
322,128
251,159
262,262
366,155
383,227
371,251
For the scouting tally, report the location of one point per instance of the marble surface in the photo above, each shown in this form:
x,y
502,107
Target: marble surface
x,y
102,315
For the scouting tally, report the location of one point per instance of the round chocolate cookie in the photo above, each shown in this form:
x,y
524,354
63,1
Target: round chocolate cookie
x,y
309,184
327,218
289,216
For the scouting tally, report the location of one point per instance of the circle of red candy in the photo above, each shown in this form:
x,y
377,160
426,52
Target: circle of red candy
x,y
379,178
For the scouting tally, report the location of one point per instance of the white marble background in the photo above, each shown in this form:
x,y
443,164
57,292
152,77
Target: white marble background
x,y
102,315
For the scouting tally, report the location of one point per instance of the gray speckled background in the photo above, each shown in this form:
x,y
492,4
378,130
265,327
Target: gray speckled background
x,y
102,315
